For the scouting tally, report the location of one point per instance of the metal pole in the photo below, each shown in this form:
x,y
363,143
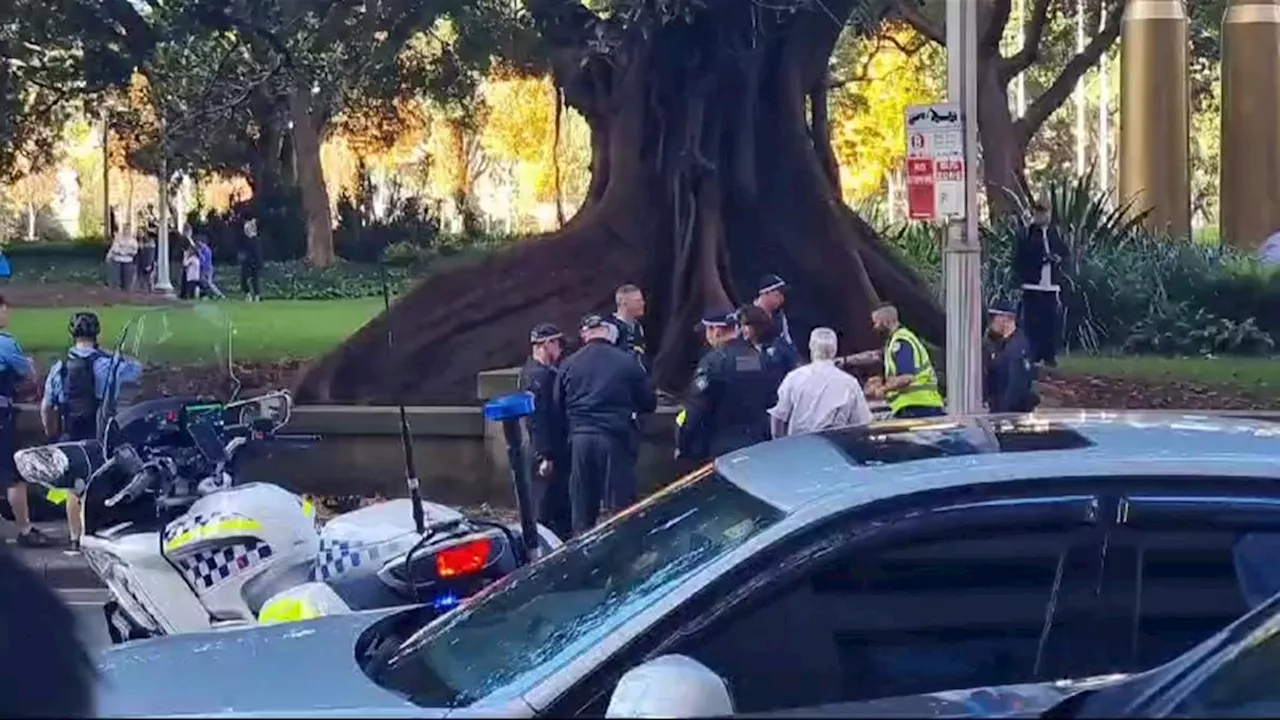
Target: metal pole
x,y
164,284
962,256
106,177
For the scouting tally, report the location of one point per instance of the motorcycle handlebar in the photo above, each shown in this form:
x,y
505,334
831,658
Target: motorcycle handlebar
x,y
139,483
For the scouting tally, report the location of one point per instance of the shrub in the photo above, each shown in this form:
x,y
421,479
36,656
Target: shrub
x,y
1179,329
408,222
88,248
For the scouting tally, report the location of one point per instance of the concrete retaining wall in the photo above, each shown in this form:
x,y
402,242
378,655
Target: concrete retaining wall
x,y
461,458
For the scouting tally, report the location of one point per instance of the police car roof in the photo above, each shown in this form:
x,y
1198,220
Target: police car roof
x,y
855,466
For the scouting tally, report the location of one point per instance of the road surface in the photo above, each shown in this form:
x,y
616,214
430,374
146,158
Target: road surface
x,y
87,606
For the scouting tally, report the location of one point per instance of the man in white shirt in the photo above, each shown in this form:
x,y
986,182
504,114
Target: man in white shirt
x,y
1038,261
819,396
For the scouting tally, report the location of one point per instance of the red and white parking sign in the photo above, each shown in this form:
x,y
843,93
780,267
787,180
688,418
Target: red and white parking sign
x,y
935,162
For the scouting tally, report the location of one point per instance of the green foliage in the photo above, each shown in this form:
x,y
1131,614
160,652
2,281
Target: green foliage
x,y
408,224
1126,287
1183,330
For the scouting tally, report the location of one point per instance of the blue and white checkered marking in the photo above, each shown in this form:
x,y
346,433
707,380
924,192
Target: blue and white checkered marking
x,y
339,557
207,569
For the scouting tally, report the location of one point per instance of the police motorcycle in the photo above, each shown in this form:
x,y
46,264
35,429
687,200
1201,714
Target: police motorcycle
x,y
185,542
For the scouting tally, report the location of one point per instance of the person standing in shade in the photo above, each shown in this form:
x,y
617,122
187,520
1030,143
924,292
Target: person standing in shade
x,y
599,392
770,297
1038,260
74,392
628,318
1013,375
250,258
819,396
546,432
190,273
755,327
910,382
15,368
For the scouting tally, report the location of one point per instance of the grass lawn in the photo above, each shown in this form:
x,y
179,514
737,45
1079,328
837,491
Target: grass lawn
x,y
270,330
1254,375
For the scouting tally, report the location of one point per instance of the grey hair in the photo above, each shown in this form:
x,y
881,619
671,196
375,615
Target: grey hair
x,y
623,291
823,344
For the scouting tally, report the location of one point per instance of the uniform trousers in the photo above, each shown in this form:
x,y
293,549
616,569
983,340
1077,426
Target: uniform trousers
x,y
602,473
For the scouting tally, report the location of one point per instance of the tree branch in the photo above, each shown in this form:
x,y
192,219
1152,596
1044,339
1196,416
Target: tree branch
x,y
564,23
1000,10
1062,87
1032,36
917,19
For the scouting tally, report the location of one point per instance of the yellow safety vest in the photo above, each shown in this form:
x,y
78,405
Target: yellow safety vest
x,y
923,390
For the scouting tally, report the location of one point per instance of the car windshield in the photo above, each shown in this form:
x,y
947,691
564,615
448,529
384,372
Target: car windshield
x,y
538,620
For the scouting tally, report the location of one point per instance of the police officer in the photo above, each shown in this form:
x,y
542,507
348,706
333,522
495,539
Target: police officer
x,y
15,367
628,319
727,407
1012,371
770,297
74,392
910,383
600,390
546,433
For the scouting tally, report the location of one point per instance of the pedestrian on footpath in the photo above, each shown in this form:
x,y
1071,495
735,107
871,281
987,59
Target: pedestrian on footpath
x,y
74,393
599,392
547,436
1012,379
15,367
1038,260
819,396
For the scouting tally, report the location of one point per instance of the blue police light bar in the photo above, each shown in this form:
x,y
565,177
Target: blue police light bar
x,y
509,407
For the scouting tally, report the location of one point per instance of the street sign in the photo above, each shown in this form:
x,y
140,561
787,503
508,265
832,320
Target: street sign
x,y
935,162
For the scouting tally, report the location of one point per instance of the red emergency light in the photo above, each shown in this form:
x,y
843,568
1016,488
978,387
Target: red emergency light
x,y
465,559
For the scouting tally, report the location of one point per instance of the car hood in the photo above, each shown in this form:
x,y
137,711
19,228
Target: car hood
x,y
293,668
1011,701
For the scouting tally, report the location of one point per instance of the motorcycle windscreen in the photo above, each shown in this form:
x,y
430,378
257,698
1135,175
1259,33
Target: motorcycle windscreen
x,y
61,466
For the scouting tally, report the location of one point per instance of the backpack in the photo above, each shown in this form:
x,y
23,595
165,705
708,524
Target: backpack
x,y
79,396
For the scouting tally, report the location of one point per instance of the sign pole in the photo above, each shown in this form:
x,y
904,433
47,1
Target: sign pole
x,y
962,254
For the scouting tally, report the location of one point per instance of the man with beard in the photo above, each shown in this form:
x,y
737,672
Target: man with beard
x,y
910,383
547,435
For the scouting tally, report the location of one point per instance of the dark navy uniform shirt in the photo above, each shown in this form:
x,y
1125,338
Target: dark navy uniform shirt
x,y
600,390
1012,376
630,337
544,426
729,399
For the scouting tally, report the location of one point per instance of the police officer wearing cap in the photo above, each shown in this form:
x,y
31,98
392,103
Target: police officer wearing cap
x,y
598,393
75,390
1013,374
546,432
728,403
770,297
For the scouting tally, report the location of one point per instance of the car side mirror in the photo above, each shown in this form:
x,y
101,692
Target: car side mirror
x,y
670,686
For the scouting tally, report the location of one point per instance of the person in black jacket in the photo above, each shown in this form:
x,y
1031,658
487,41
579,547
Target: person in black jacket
x,y
628,318
727,407
600,391
1038,260
1010,386
547,436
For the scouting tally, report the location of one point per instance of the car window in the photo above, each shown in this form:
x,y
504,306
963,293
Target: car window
x,y
1243,687
539,619
963,609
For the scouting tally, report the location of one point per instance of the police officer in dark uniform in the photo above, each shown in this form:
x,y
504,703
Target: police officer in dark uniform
x,y
599,392
770,297
15,367
727,407
1012,370
546,434
628,319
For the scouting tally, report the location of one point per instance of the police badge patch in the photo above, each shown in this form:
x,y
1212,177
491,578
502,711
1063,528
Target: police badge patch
x,y
700,382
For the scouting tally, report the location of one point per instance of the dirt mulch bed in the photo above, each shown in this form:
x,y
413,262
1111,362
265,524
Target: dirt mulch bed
x,y
214,382
73,295
1100,392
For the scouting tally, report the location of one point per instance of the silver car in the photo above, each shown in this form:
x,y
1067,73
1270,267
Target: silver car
x,y
903,558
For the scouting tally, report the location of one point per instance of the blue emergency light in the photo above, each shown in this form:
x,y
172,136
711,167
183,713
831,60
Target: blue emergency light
x,y
509,407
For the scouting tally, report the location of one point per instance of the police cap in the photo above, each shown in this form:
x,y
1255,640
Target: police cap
x,y
1002,307
770,283
719,318
591,322
544,332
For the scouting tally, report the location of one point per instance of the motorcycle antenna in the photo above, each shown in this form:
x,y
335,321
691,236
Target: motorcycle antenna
x,y
406,438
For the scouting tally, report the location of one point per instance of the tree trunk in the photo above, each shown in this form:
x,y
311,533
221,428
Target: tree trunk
x,y
31,221
1004,147
315,196
706,177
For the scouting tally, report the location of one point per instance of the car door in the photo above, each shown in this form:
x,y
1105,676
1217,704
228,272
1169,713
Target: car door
x,y
902,601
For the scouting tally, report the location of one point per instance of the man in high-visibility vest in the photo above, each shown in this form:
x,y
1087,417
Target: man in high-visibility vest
x,y
910,383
